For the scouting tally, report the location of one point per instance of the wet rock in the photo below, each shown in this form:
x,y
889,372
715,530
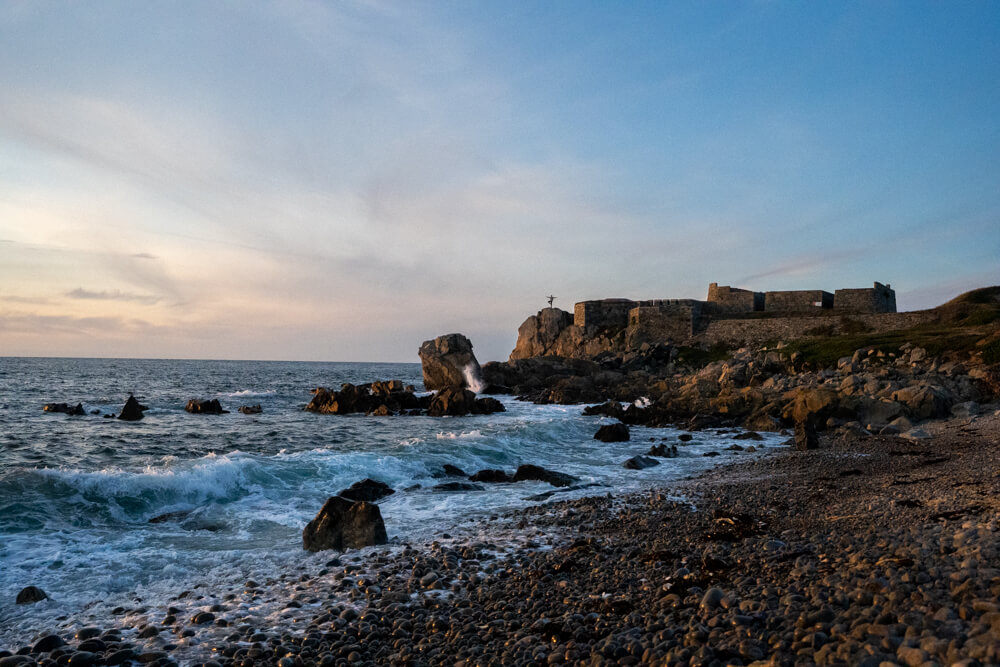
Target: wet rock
x,y
685,437
30,594
251,409
367,489
806,436
202,406
201,618
640,463
84,659
454,471
456,402
490,476
457,486
448,361
343,524
132,410
120,657
179,515
613,433
64,408
47,643
533,472
663,451
749,435
611,409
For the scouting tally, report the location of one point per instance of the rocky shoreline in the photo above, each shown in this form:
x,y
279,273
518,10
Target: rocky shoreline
x,y
870,550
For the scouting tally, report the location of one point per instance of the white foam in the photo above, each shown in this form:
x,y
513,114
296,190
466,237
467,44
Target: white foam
x,y
452,435
473,379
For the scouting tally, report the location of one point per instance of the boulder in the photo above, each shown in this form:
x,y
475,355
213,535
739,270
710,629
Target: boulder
x,y
453,471
376,398
640,463
663,451
132,410
452,401
457,486
343,524
816,404
30,595
532,472
201,406
613,433
65,408
368,490
251,409
924,401
805,435
611,409
448,361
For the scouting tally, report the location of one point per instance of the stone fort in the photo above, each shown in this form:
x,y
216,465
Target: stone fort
x,y
730,313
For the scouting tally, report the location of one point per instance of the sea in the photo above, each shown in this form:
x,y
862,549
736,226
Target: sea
x,y
77,493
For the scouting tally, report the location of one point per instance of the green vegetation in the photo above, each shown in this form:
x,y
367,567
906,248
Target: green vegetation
x,y
823,352
991,351
696,356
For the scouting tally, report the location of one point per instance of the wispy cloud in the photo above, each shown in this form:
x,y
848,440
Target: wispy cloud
x,y
113,295
28,300
143,255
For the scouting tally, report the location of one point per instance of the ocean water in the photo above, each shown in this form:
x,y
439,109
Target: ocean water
x,y
77,493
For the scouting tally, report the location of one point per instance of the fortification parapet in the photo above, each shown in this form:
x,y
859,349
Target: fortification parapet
x,y
791,301
604,313
878,299
726,299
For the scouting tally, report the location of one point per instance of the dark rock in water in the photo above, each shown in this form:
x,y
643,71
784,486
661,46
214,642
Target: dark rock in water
x,y
456,401
201,406
701,422
611,409
132,410
488,405
367,489
448,361
457,486
170,516
251,409
92,645
95,412
30,595
47,643
749,435
85,659
497,389
532,472
613,433
376,398
640,463
663,451
343,524
454,471
202,617
83,634
805,435
685,437
490,476
65,408
548,494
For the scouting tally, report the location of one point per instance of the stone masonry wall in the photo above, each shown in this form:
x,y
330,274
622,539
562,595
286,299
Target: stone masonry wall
x,y
746,331
878,299
733,300
605,313
797,300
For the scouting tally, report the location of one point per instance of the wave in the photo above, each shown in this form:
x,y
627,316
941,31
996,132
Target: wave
x,y
451,435
250,392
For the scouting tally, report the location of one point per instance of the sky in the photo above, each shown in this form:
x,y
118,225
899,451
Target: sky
x,y
341,181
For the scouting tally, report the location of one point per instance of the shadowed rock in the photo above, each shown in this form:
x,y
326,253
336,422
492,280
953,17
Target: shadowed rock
x,y
613,433
490,476
30,595
201,406
132,410
448,361
640,463
342,524
368,490
65,408
251,409
533,472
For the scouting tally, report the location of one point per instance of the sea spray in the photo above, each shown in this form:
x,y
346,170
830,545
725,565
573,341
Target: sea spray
x,y
473,379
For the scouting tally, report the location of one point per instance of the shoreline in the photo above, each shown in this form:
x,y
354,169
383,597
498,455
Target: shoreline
x,y
866,551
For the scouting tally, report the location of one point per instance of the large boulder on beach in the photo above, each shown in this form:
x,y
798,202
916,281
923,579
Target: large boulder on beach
x,y
448,361
201,406
132,410
924,401
368,490
344,524
30,595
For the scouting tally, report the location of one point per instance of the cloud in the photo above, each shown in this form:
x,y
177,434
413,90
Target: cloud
x,y
113,295
30,300
142,255
807,264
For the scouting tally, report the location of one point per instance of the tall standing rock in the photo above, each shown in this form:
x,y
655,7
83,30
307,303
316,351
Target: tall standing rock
x,y
132,411
448,361
537,336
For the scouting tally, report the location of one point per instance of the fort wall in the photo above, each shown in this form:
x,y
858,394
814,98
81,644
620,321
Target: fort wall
x,y
760,330
878,299
797,300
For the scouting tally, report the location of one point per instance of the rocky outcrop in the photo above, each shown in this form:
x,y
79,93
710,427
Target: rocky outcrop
x,y
65,408
456,402
250,409
132,410
201,406
640,463
540,335
344,524
530,472
375,398
448,361
368,490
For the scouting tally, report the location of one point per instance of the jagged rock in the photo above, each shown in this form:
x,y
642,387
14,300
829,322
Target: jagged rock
x,y
453,471
924,401
343,524
448,361
201,406
376,398
251,409
490,476
613,433
812,403
132,410
65,408
488,405
456,401
30,595
367,489
805,436
640,463
663,451
611,409
537,336
532,472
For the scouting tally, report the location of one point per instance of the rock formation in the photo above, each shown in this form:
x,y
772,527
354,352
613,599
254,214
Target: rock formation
x,y
65,408
30,595
368,490
203,406
448,361
132,410
343,524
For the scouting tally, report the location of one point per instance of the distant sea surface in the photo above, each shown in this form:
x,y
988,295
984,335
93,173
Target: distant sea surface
x,y
77,493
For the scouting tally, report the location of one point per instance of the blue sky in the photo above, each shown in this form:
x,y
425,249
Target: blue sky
x,y
341,181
